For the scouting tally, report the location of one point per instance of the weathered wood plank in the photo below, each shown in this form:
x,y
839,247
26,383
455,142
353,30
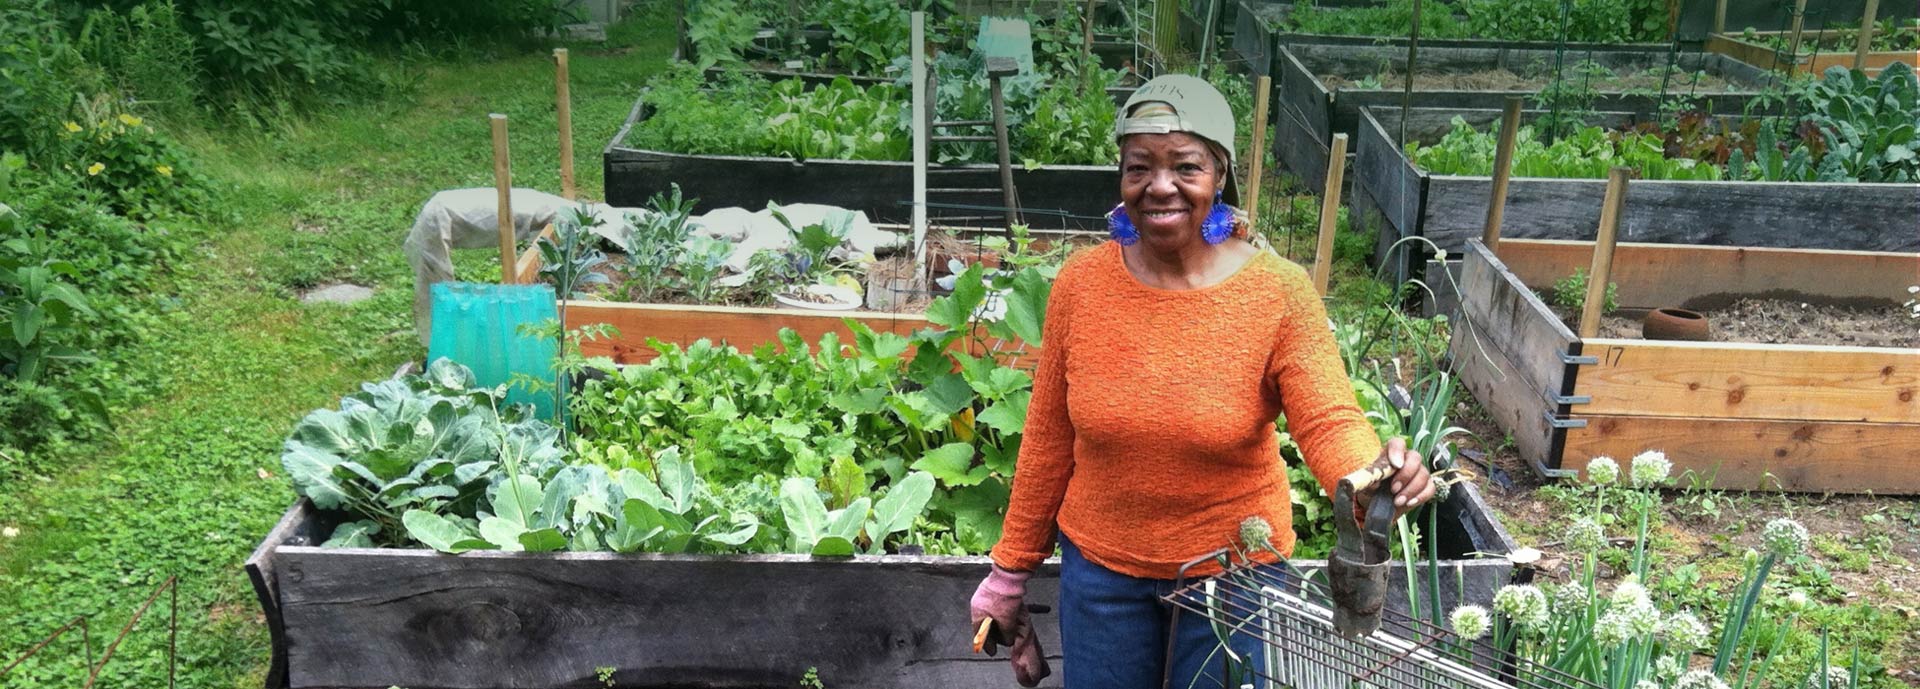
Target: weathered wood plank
x,y
1740,454
1491,376
260,568
1505,347
1750,381
1656,275
1860,217
742,327
1397,186
1511,317
1301,155
382,617
376,618
1302,97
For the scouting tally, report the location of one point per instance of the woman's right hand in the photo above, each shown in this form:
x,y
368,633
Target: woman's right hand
x,y
1001,597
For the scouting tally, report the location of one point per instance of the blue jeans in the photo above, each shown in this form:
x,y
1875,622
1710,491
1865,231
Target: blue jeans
x,y
1114,631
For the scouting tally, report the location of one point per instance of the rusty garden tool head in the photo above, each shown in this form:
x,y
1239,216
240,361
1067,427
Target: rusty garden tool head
x,y
1357,568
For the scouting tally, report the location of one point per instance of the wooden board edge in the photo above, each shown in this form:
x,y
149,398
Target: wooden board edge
x,y
527,268
260,572
1727,436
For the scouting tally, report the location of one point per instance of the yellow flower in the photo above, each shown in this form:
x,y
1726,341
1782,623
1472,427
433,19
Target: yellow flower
x,y
164,170
71,127
95,169
129,120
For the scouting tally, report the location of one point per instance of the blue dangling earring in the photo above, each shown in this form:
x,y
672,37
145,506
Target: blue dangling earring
x,y
1120,227
1219,223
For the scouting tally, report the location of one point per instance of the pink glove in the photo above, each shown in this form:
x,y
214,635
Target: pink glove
x,y
1001,597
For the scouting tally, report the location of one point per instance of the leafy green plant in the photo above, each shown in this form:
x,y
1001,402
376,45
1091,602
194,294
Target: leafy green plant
x,y
867,34
426,445
38,304
720,30
652,244
1571,292
700,264
133,168
1587,153
1871,126
815,529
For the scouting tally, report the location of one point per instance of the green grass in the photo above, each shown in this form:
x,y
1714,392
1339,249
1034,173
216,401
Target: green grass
x,y
191,481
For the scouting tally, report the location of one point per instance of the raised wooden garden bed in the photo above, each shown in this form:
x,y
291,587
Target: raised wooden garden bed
x,y
1399,199
1052,196
1259,30
1310,109
1757,52
1808,418
375,618
744,327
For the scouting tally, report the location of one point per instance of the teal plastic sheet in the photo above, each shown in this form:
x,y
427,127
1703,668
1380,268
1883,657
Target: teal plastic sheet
x,y
1007,38
478,326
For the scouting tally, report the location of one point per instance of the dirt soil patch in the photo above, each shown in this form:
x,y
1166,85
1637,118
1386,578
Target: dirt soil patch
x,y
1505,80
1780,321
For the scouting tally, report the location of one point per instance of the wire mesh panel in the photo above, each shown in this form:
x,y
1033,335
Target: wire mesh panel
x,y
1290,620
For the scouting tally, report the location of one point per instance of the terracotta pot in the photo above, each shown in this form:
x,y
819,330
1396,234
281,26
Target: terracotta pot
x,y
1674,324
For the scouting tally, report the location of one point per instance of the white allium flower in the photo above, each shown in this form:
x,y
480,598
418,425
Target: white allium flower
x,y
1256,532
1650,468
1525,604
1699,679
1569,599
1837,678
1629,592
1586,535
1470,621
1643,619
1784,537
1669,667
10,532
1683,632
1797,601
1613,629
1603,471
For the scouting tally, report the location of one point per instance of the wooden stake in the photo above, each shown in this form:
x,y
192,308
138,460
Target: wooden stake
x,y
1602,270
1329,213
1502,170
563,101
1413,52
1720,16
1086,47
922,116
1793,44
1866,35
503,184
1259,151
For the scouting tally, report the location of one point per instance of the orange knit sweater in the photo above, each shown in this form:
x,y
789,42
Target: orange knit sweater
x,y
1150,433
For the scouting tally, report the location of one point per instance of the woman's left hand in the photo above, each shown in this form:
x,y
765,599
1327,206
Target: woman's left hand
x,y
1411,483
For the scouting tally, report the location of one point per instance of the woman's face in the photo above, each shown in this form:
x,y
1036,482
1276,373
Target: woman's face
x,y
1168,182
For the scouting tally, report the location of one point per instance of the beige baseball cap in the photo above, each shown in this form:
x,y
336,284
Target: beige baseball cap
x,y
1182,103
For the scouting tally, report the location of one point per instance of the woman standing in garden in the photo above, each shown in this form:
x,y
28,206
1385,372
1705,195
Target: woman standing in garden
x,y
1168,353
